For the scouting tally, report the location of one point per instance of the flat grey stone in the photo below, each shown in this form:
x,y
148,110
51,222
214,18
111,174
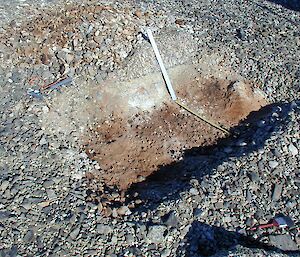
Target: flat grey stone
x,y
4,215
254,176
283,242
28,236
104,229
277,192
156,234
74,233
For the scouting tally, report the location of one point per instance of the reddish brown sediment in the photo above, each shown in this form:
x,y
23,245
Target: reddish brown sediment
x,y
130,148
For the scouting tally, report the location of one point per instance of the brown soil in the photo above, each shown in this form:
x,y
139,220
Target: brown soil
x,y
130,149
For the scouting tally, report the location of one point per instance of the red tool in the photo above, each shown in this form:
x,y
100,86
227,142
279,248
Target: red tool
x,y
279,222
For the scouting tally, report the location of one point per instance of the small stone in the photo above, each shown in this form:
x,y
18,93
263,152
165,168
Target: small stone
x,y
74,234
197,212
241,34
48,183
254,176
194,191
43,141
45,58
273,164
241,143
249,222
65,56
220,168
88,57
28,236
4,185
129,239
138,14
166,253
98,39
44,204
277,192
171,220
114,240
227,219
45,109
283,242
140,178
51,194
277,153
103,229
124,210
107,211
180,22
249,196
4,215
293,150
156,234
114,213
261,123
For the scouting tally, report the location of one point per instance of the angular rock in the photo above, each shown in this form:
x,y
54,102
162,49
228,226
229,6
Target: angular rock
x,y
277,192
171,220
283,242
74,233
124,210
104,229
156,234
273,164
4,215
28,236
293,149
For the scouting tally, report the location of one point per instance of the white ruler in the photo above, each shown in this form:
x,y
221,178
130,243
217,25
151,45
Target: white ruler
x,y
161,65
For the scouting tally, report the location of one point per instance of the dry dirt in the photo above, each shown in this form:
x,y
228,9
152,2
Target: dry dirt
x,y
129,148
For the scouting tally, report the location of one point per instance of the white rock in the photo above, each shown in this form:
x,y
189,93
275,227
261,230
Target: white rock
x,y
273,164
45,109
293,149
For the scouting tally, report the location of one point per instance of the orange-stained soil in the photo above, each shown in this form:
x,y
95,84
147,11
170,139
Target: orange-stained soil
x,y
128,150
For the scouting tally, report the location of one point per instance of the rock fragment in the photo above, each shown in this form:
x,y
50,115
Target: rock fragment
x,y
74,233
273,164
277,192
283,242
293,149
156,234
171,220
104,229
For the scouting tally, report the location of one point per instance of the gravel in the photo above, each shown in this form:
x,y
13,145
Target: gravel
x,y
50,203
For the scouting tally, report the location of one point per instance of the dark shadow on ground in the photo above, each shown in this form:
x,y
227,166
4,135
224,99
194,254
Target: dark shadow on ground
x,y
274,12
204,240
249,136
169,181
290,4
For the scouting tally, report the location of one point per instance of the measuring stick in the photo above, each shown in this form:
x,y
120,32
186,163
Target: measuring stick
x,y
161,65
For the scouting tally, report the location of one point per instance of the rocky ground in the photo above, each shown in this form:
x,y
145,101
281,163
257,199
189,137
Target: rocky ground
x,y
52,204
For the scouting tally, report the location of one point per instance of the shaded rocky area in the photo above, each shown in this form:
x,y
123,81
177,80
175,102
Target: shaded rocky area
x,y
51,202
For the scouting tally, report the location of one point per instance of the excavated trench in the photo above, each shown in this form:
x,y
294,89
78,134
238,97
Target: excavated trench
x,y
131,146
128,123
